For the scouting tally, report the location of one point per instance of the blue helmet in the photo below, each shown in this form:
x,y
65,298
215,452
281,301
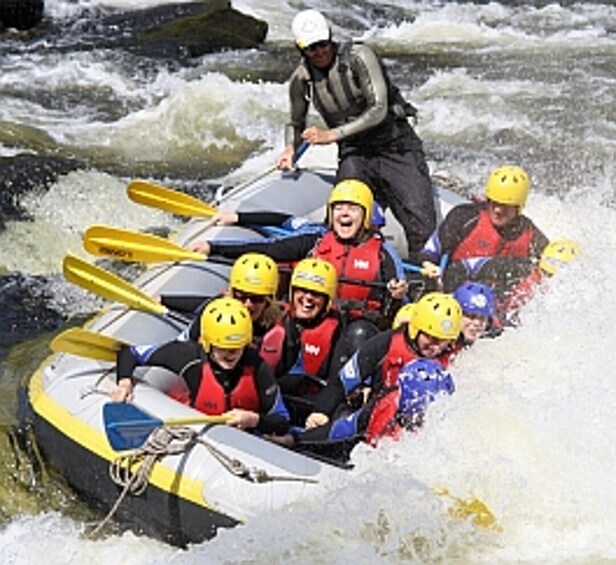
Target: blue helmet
x,y
420,382
476,299
378,216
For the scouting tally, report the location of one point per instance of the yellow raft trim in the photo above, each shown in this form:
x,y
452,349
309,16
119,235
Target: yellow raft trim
x,y
96,442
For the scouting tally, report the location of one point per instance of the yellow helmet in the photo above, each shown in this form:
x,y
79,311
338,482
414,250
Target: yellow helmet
x,y
355,192
557,253
404,315
317,275
225,323
437,314
254,273
508,185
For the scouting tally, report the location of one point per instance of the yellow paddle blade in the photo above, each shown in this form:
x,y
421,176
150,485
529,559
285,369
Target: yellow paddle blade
x,y
173,201
86,343
108,285
126,245
473,508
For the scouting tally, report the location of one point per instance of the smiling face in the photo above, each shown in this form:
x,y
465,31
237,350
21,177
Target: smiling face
x,y
226,358
473,326
430,346
307,304
347,219
501,214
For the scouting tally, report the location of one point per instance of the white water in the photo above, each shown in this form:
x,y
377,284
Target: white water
x,y
530,430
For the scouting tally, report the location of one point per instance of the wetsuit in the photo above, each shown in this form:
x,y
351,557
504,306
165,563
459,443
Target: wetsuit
x,y
499,257
187,358
294,247
376,143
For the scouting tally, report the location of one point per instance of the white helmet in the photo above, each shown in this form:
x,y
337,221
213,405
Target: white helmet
x,y
310,26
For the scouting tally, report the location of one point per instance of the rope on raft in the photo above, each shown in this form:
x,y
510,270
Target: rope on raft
x,y
132,471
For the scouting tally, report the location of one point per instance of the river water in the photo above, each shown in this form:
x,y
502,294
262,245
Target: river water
x,y
530,430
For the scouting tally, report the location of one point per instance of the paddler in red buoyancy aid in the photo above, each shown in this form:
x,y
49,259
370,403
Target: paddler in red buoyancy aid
x,y
486,241
394,409
434,327
356,251
302,353
224,374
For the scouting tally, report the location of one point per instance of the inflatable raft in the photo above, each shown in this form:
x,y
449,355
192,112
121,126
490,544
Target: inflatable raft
x,y
212,476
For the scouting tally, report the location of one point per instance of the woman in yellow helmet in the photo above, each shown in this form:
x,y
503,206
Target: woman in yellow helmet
x,y
223,372
369,271
302,353
484,238
253,280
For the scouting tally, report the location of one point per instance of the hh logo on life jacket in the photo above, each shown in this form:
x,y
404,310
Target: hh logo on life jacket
x,y
361,264
312,349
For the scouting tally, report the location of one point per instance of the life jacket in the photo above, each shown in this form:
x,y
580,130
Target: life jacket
x,y
485,241
358,262
212,399
399,354
383,421
272,344
339,99
316,345
519,295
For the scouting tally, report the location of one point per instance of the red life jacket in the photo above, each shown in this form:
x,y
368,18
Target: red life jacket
x,y
383,420
316,346
272,344
359,262
211,398
485,241
520,294
399,354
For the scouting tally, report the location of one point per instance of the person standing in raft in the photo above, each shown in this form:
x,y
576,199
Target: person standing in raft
x,y
357,252
367,117
433,328
224,374
489,241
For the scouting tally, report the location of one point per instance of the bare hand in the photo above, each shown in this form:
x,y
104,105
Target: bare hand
x,y
242,419
316,419
203,247
317,136
123,391
285,159
225,219
430,270
397,288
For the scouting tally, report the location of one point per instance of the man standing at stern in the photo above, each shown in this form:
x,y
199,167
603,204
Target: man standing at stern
x,y
367,117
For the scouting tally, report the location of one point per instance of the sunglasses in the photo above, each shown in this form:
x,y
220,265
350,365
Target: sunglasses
x,y
318,45
244,297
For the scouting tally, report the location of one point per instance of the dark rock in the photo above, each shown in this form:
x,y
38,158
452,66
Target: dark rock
x,y
25,173
216,27
24,309
20,14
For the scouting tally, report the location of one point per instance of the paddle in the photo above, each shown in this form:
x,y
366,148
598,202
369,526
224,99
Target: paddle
x,y
111,287
174,201
128,427
86,343
126,245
